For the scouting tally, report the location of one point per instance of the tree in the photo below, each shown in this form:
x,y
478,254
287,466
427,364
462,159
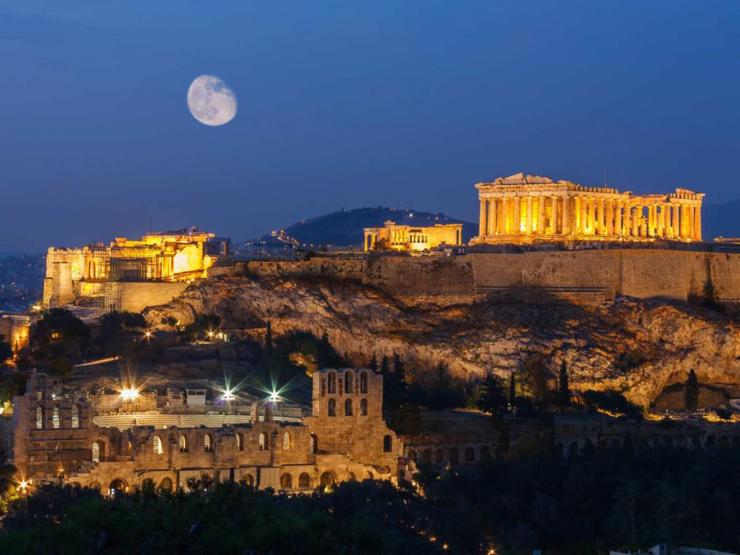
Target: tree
x,y
384,365
492,398
59,333
691,391
563,387
374,363
5,351
512,391
268,338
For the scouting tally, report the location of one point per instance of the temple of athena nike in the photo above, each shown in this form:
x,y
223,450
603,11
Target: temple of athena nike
x,y
527,208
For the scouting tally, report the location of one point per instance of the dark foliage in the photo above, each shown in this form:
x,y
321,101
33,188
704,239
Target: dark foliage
x,y
613,402
691,391
614,498
492,395
5,351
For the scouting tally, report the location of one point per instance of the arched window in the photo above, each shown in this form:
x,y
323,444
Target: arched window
x,y
286,481
286,440
165,484
314,444
96,452
55,423
239,443
363,407
207,445
183,444
304,481
348,407
469,454
332,379
263,441
348,382
387,444
39,418
75,416
157,444
363,382
332,407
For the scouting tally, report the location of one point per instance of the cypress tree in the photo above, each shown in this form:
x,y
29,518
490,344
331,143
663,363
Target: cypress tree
x,y
492,398
564,399
268,338
512,391
691,391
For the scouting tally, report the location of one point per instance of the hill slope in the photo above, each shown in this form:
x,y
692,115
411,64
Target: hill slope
x,y
344,228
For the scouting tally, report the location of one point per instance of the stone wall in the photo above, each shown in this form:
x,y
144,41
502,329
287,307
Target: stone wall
x,y
135,296
575,275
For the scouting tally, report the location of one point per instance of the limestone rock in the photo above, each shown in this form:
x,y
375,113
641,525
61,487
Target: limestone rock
x,y
634,346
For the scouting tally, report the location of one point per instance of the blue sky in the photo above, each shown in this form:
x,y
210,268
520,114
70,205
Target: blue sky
x,y
349,104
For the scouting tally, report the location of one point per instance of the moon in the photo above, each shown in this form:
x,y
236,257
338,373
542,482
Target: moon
x,y
211,102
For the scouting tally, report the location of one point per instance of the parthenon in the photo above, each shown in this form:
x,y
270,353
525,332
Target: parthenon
x,y
527,208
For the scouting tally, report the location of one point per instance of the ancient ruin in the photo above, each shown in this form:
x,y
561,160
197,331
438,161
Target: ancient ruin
x,y
393,236
528,208
99,274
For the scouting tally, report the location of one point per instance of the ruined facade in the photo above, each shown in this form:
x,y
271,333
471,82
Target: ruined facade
x,y
15,329
393,236
91,273
526,208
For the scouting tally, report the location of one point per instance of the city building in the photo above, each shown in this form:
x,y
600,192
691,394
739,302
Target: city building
x,y
393,236
527,208
98,274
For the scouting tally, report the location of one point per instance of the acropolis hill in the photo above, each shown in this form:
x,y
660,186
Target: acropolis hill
x,y
586,275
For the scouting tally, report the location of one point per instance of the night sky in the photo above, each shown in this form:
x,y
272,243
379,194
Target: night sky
x,y
350,104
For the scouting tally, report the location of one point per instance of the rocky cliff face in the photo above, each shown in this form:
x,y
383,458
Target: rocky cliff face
x,y
634,346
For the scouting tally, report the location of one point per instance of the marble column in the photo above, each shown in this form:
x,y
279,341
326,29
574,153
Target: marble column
x,y
618,218
517,220
528,216
675,214
566,215
697,222
491,226
482,218
504,223
554,215
540,215
634,218
584,215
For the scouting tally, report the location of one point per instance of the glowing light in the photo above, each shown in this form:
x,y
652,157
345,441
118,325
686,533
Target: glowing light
x,y
228,395
274,396
24,485
148,334
210,334
129,394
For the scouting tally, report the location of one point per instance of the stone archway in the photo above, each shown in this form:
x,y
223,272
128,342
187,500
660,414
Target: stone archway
x,y
117,487
328,479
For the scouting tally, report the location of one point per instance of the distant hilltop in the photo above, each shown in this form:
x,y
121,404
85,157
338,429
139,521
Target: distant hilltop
x,y
344,227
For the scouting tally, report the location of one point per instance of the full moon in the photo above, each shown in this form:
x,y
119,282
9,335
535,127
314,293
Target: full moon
x,y
210,101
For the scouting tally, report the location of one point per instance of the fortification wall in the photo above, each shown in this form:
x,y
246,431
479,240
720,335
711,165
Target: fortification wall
x,y
575,275
631,272
136,296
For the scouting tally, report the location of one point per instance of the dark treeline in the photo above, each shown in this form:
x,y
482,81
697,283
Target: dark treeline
x,y
613,498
